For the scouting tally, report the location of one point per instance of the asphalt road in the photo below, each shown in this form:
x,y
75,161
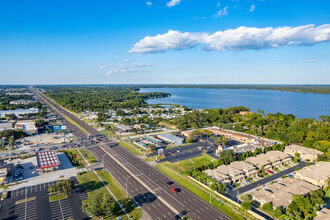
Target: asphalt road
x,y
265,180
41,208
185,202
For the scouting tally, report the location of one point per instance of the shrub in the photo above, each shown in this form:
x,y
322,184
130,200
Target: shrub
x,y
268,206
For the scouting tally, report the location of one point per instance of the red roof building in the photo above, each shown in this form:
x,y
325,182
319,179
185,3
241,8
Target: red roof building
x,y
47,160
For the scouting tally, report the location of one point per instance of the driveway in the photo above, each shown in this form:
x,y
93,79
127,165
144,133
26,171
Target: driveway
x,y
266,180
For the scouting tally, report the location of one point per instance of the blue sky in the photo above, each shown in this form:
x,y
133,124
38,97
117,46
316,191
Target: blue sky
x,y
164,41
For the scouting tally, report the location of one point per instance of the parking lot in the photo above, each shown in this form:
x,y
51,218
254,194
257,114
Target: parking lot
x,y
187,152
41,208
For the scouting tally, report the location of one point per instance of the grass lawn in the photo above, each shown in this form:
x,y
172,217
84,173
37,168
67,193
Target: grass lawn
x,y
88,155
94,185
186,165
78,161
57,197
4,195
203,195
129,146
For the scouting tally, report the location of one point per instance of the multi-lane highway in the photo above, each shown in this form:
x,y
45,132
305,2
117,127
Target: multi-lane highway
x,y
145,184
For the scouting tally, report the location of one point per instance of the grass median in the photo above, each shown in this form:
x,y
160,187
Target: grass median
x,y
57,197
88,155
75,158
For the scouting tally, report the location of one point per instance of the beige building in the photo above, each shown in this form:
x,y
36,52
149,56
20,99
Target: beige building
x,y
260,161
323,214
305,152
281,193
235,175
248,169
270,159
222,178
317,174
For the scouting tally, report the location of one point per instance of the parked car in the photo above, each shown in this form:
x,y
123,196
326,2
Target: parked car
x,y
178,151
289,175
269,171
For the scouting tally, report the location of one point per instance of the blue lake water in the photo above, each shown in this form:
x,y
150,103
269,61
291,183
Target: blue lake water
x,y
302,105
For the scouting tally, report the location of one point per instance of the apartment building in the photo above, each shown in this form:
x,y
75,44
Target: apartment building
x,y
235,175
281,193
305,152
260,161
317,174
222,178
248,169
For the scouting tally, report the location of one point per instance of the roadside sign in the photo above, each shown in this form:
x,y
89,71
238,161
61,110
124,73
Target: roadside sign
x,y
57,128
160,151
63,127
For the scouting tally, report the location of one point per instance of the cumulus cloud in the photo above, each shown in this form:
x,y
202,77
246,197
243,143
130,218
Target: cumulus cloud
x,y
101,67
241,38
149,3
131,68
311,61
222,12
173,3
252,8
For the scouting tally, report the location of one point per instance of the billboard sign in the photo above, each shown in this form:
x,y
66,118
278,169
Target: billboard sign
x,y
63,127
57,127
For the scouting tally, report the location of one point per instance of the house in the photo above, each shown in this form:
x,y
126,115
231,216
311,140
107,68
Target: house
x,y
123,128
245,113
248,169
317,174
278,158
28,127
305,153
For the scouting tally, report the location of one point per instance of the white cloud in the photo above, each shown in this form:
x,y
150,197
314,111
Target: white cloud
x,y
131,68
241,38
252,8
173,3
101,67
222,12
128,60
149,3
311,61
218,5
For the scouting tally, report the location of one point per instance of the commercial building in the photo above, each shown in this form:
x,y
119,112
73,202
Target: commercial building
x,y
171,139
281,194
123,128
304,152
239,137
47,160
18,112
317,174
20,102
153,140
4,125
6,170
248,169
186,133
28,127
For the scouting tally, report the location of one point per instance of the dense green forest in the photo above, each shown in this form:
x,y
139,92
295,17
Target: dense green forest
x,y
100,98
323,89
5,99
286,128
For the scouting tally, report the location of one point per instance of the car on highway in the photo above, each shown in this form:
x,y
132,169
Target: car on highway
x,y
175,190
54,148
169,182
178,151
269,171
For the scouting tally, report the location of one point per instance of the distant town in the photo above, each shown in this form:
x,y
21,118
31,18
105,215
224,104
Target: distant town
x,y
235,162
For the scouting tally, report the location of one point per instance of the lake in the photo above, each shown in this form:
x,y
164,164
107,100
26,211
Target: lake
x,y
302,105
